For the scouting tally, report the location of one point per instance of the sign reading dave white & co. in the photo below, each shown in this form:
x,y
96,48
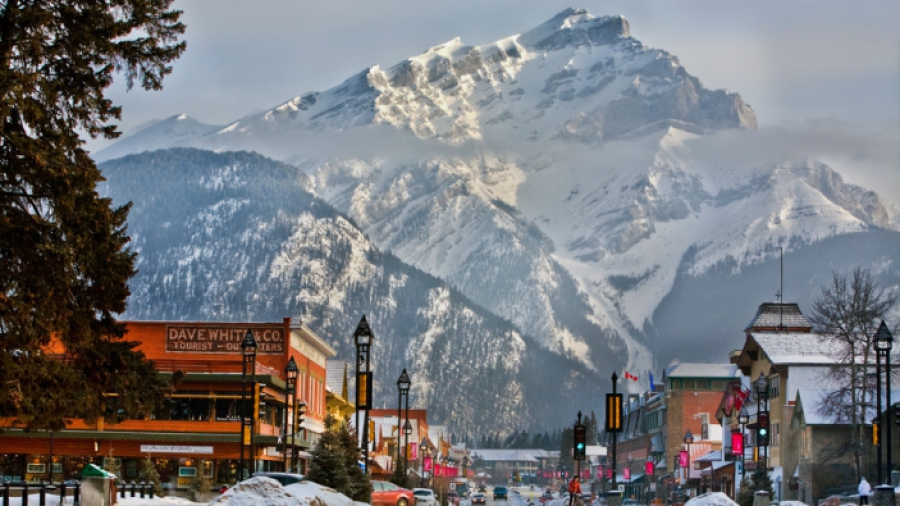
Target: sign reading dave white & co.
x,y
176,449
215,339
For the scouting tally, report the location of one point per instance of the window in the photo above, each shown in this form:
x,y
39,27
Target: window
x,y
774,387
776,434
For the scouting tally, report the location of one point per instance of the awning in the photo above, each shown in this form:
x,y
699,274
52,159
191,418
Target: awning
x,y
796,472
304,454
661,464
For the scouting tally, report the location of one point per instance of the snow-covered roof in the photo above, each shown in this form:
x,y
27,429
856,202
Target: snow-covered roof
x,y
334,376
795,347
702,370
811,403
772,315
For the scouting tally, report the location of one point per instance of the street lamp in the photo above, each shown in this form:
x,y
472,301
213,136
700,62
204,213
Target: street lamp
x,y
762,394
403,384
884,341
688,440
290,376
248,352
363,338
743,419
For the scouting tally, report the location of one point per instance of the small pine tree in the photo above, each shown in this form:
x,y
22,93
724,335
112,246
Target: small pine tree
x,y
327,467
360,485
111,466
749,486
201,484
149,474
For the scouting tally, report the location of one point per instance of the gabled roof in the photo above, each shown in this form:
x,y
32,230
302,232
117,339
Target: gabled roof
x,y
809,404
795,348
505,455
779,315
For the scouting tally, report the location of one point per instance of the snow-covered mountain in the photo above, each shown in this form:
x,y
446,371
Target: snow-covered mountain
x,y
559,178
237,237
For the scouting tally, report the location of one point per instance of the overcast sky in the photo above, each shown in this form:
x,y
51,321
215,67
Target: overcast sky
x,y
796,62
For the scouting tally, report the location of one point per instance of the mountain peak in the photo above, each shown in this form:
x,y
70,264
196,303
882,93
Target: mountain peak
x,y
575,27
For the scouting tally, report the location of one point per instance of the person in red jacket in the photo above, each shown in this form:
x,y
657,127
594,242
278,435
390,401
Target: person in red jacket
x,y
574,491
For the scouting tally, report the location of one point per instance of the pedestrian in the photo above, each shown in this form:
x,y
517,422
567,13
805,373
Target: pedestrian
x,y
864,491
574,491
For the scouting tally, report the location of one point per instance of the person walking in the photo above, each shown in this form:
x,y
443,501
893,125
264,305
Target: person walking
x,y
574,491
865,490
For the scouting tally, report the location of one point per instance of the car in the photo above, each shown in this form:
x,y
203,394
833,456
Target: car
x,y
284,478
453,497
479,498
501,493
425,497
387,494
546,496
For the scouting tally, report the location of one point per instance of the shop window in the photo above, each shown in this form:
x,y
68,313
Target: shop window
x,y
184,409
228,409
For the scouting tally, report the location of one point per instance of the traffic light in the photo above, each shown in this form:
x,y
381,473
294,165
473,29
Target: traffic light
x,y
762,429
580,437
613,412
897,414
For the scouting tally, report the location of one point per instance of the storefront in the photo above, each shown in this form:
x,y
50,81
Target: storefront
x,y
197,432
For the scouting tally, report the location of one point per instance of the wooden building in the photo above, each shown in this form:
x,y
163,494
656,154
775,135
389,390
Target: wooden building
x,y
198,428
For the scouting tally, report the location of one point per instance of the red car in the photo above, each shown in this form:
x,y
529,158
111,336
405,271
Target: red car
x,y
387,494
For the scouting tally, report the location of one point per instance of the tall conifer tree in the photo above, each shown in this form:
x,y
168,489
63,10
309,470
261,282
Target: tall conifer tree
x,y
64,260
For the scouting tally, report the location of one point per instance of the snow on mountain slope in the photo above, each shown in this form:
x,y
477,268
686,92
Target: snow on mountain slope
x,y
551,176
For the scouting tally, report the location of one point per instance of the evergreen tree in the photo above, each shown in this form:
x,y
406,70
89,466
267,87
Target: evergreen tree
x,y
149,474
335,463
759,480
110,465
200,484
64,261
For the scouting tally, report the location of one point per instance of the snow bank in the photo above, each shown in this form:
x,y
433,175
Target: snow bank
x,y
711,499
261,491
792,503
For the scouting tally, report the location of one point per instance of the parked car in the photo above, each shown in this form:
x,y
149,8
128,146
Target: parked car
x,y
425,497
500,493
387,494
284,478
546,496
452,497
479,498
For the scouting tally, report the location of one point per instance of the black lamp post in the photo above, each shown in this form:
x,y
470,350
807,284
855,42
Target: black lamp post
x,y
743,419
403,384
884,341
688,441
762,408
407,430
362,338
248,351
290,377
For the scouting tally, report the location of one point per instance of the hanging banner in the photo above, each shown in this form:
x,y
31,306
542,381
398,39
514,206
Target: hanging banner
x,y
737,443
648,467
626,473
683,458
413,451
609,473
437,470
427,464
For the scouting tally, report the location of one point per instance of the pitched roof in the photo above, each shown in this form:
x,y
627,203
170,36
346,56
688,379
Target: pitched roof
x,y
773,315
334,376
795,347
811,402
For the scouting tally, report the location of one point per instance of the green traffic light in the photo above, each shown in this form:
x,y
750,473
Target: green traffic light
x,y
763,432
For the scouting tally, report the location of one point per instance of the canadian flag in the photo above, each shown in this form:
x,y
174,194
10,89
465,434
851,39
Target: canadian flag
x,y
630,376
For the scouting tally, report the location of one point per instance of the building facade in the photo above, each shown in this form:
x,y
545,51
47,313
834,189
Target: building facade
x,y
198,428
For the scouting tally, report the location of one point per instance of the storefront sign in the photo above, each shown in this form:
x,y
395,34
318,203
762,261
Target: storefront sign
x,y
214,339
206,450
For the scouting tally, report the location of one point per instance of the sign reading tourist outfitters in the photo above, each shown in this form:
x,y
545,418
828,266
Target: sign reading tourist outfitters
x,y
213,339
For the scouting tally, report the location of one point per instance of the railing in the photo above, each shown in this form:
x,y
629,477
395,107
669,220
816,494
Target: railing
x,y
43,489
144,487
211,366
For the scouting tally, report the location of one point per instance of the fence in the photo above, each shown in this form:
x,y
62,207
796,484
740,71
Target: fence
x,y
24,488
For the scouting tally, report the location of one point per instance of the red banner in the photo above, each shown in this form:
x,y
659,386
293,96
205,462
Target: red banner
x,y
413,451
427,464
626,473
609,474
648,467
437,470
737,443
683,458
